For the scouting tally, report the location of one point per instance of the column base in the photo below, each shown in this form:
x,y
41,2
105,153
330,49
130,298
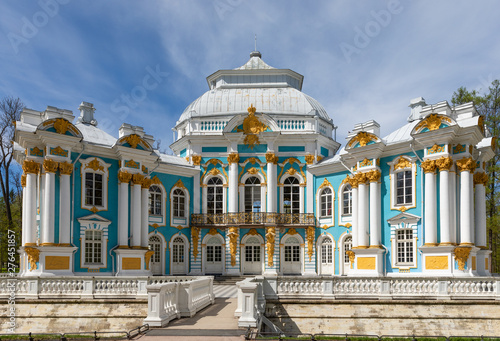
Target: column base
x,y
442,261
368,262
52,261
132,262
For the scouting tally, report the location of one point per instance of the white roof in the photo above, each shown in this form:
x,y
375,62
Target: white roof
x,y
95,135
401,134
254,63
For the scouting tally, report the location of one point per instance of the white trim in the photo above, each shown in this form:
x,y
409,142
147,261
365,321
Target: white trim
x,y
224,192
319,254
393,175
399,222
161,220
97,223
343,218
204,251
341,248
105,181
186,252
262,251
175,222
301,252
163,246
301,191
326,220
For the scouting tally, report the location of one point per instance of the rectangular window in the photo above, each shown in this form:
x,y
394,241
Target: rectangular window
x,y
93,189
93,247
404,240
404,188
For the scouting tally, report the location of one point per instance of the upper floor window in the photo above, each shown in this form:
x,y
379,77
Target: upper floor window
x,y
155,200
94,175
291,195
326,203
215,196
93,247
403,192
252,195
93,189
179,203
404,188
347,200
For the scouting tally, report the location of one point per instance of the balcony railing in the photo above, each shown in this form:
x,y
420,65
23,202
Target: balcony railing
x,y
254,218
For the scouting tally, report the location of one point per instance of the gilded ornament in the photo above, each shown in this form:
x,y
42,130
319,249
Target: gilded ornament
x,y
309,159
461,256
195,236
319,158
252,160
95,165
146,183
212,231
233,158
481,178
36,152
253,170
147,257
196,160
131,164
133,140
30,166
403,209
252,127
214,171
179,184
214,161
325,183
402,163
361,178
61,125
144,169
270,241
94,210
435,149
310,231
429,166
459,148
292,231
351,256
137,179
33,257
480,123
353,181
23,180
271,158
58,151
156,181
444,163
471,148
253,232
50,166
363,138
466,164
432,122
66,168
348,225
373,176
366,163
233,243
124,177
155,225
291,171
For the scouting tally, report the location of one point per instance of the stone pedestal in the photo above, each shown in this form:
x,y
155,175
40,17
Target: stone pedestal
x,y
46,261
132,262
368,262
437,260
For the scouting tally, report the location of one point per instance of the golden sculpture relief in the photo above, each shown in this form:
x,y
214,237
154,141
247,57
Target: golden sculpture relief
x,y
212,231
432,122
179,184
270,241
435,149
271,158
352,181
366,163
131,164
146,183
444,163
429,166
95,165
310,231
196,160
33,257
319,158
291,171
466,164
352,257
233,158
58,151
461,256
252,127
481,179
195,236
361,178
214,171
66,168
30,166
137,179
253,170
124,177
373,176
36,152
61,125
325,183
233,243
403,209
156,181
253,232
23,180
94,210
309,159
50,166
363,138
147,257
402,163
460,148
133,140
292,231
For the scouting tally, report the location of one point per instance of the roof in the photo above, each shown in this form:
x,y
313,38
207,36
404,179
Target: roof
x,y
401,134
95,135
255,63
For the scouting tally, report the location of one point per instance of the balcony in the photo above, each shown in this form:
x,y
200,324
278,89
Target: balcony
x,y
254,219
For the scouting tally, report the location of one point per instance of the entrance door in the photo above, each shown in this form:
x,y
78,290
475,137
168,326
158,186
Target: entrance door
x,y
292,264
326,256
155,245
253,264
213,263
178,259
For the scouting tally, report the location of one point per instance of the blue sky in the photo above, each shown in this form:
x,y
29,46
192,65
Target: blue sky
x,y
143,62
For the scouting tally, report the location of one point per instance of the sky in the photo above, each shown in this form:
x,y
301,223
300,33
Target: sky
x,y
144,62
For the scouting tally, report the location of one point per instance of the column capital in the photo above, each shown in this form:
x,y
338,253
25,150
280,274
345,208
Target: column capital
x,y
444,163
23,180
361,178
196,160
146,183
65,168
50,166
137,179
30,166
466,164
429,166
233,158
481,178
373,176
309,159
352,181
271,158
124,177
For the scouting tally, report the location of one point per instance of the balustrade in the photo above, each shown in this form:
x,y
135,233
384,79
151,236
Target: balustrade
x,y
254,218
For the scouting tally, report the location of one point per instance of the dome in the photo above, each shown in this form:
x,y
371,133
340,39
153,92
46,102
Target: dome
x,y
275,92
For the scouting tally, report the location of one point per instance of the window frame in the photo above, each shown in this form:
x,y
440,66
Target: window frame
x,y
93,222
403,163
160,194
94,165
177,221
403,221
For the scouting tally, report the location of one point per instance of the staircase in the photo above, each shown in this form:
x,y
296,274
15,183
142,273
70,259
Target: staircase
x,y
229,280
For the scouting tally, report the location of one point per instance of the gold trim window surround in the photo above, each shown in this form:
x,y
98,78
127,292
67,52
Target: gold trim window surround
x,y
403,182
95,177
157,204
345,202
404,239
179,205
94,242
325,203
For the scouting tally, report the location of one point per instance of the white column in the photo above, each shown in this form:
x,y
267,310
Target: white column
x,y
233,159
430,203
124,179
136,209
444,165
65,169
375,228
363,214
480,179
23,212
466,235
309,192
452,176
241,190
47,235
31,169
354,213
272,183
196,193
145,212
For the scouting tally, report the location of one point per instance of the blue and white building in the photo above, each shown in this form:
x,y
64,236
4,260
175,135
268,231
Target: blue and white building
x,y
258,185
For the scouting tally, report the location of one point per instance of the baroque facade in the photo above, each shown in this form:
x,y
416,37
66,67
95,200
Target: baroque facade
x,y
257,185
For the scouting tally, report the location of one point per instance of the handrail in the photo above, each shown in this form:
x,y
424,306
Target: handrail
x,y
254,218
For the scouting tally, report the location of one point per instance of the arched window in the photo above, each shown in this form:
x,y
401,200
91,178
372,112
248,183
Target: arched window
x,y
179,203
214,196
326,251
326,203
347,247
347,200
291,195
155,245
155,200
252,195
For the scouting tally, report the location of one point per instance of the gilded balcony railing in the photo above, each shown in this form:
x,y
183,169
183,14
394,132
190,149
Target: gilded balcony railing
x,y
253,218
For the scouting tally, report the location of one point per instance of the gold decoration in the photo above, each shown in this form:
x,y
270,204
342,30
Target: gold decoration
x,y
270,241
33,257
373,176
214,171
429,166
471,148
66,168
466,164
252,127
444,163
124,177
196,160
310,231
252,160
58,151
36,152
155,225
461,256
179,184
61,125
253,170
253,232
403,209
366,163
432,122
131,164
325,183
195,236
214,161
233,158
271,158
50,166
212,231
57,262
361,178
146,183
402,163
133,140
94,210
187,158
147,257
233,243
352,181
363,138
351,256
292,231
319,158
309,159
481,178
348,225
156,181
137,179
95,165
291,171
435,149
144,169
30,166
23,180
460,148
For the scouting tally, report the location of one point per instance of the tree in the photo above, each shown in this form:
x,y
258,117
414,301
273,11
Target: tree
x,y
488,105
